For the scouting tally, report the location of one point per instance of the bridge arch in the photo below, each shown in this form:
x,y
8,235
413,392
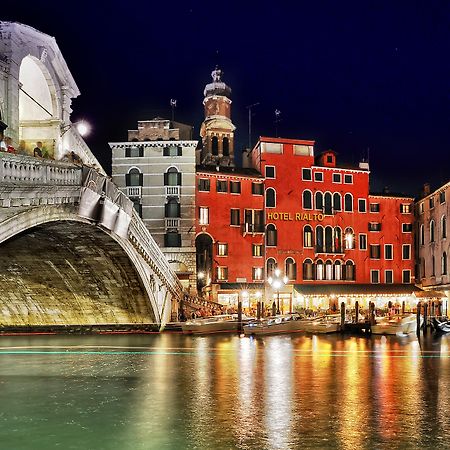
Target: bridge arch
x,y
128,290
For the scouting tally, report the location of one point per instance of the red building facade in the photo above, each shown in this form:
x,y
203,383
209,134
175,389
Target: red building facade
x,y
310,218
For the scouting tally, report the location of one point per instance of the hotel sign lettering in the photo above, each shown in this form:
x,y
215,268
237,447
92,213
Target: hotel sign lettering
x,y
298,216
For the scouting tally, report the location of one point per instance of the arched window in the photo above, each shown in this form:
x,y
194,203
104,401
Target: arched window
x,y
328,239
319,239
225,146
422,235
318,197
444,263
433,267
348,203
271,235
443,227
338,240
215,145
308,236
349,273
172,177
172,208
328,203
328,270
307,200
134,177
271,265
337,270
431,230
349,239
291,269
337,201
308,273
319,270
270,198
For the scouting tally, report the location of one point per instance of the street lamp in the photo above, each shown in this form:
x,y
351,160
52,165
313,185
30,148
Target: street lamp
x,y
277,282
81,126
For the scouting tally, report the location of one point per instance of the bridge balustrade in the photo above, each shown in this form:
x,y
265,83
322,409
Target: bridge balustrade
x,y
21,169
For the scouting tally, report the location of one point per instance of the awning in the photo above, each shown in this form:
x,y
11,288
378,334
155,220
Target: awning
x,y
430,294
240,286
356,289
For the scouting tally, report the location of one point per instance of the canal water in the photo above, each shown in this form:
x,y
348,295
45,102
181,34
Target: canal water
x,y
172,391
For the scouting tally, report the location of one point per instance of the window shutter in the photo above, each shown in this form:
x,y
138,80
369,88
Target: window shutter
x,y
127,179
166,179
141,179
179,151
127,152
179,178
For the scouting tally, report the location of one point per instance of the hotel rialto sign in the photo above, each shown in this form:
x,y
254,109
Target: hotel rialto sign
x,y
297,216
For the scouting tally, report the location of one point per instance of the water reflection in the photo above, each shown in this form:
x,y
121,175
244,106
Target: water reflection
x,y
175,391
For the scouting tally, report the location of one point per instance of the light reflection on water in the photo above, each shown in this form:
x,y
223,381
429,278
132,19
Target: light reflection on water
x,y
172,391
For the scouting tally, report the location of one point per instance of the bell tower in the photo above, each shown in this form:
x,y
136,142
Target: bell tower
x,y
217,130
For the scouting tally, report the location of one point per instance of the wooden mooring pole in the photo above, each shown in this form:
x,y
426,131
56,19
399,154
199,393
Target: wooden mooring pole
x,y
425,317
342,316
356,311
419,307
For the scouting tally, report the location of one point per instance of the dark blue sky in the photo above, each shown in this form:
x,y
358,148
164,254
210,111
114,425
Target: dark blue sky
x,y
350,75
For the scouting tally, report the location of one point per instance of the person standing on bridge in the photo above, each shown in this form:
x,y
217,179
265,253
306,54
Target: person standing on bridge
x,y
2,143
37,152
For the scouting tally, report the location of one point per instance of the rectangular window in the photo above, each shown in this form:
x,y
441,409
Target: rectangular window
x,y
421,208
405,208
362,205
442,197
406,276
431,202
306,174
134,152
374,207
270,171
203,215
374,226
363,241
348,179
235,187
203,184
406,227
172,240
337,178
222,273
235,217
222,186
172,150
406,251
303,150
257,273
374,276
257,188
272,147
257,250
374,251
388,276
329,159
318,176
388,251
222,249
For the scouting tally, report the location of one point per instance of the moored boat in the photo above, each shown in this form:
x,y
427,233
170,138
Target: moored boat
x,y
323,325
213,324
441,326
395,325
283,323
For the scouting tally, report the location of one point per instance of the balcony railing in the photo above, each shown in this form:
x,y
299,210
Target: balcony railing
x,y
172,223
172,191
329,250
134,191
252,228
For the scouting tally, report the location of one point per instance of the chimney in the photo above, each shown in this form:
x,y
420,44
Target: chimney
x,y
426,189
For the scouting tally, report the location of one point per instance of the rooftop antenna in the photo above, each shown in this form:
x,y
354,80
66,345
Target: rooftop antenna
x,y
277,121
173,105
249,107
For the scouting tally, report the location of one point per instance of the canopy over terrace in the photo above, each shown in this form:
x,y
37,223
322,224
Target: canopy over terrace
x,y
331,295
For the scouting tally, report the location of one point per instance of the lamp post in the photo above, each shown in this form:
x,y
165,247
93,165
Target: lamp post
x,y
81,126
277,282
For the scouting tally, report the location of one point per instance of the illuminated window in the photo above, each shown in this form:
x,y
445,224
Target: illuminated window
x,y
134,177
431,202
349,271
222,273
172,150
257,273
337,270
374,226
308,273
375,251
291,269
271,235
319,270
405,208
349,239
203,215
328,270
257,188
222,249
271,267
257,250
172,177
134,152
374,207
307,236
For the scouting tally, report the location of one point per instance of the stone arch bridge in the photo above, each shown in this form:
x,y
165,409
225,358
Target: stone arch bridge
x,y
60,264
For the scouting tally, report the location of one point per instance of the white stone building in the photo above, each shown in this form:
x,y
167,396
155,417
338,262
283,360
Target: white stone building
x,y
156,170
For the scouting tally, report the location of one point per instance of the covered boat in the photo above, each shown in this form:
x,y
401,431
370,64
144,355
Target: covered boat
x,y
213,324
395,325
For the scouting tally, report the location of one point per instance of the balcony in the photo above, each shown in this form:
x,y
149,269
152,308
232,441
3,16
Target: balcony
x,y
252,228
133,191
172,223
172,191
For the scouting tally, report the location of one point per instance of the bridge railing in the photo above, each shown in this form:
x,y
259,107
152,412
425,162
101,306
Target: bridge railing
x,y
22,169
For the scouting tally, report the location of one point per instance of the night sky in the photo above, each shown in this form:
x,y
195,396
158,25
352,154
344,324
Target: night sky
x,y
351,75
